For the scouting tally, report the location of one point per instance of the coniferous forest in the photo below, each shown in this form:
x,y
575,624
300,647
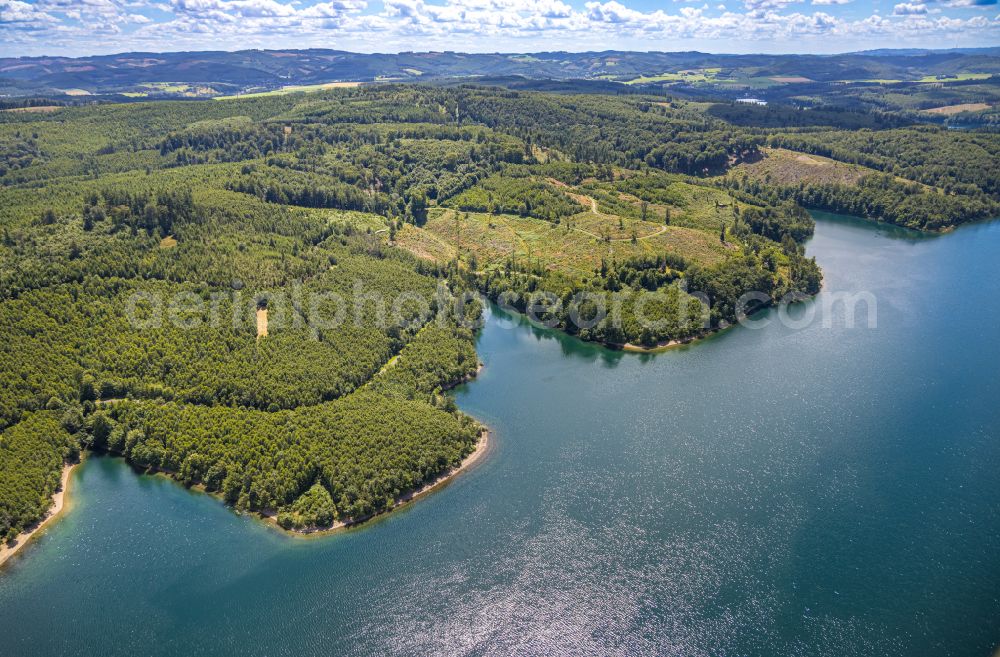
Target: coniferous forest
x,y
142,243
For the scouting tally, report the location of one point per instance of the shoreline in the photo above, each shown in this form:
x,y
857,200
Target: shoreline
x,y
474,457
661,347
465,379
269,516
59,505
60,502
627,347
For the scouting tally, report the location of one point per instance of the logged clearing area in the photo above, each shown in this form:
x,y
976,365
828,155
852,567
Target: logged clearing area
x,y
793,79
948,110
575,247
783,167
424,243
295,88
39,109
623,217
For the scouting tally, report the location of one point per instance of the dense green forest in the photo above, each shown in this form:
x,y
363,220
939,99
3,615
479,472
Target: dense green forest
x,y
141,244
32,453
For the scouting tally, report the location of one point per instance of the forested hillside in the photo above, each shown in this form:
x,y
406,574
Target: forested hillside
x,y
267,297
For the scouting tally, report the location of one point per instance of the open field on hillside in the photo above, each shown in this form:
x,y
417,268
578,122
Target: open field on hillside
x,y
784,167
960,77
948,110
172,89
38,109
699,75
295,88
574,247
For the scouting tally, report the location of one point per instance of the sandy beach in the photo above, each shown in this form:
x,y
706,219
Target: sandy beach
x,y
58,505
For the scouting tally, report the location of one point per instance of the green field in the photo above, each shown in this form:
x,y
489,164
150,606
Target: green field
x,y
699,75
294,88
960,77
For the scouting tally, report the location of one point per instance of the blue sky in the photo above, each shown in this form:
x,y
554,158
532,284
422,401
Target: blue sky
x,y
86,27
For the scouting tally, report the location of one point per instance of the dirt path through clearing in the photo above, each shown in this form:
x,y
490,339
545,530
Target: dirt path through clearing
x,y
261,323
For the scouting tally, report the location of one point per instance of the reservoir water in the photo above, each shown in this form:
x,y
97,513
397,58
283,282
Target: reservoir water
x,y
820,490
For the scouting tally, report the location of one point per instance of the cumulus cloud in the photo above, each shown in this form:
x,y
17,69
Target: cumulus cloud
x,y
612,12
472,17
14,11
830,2
232,9
910,9
756,5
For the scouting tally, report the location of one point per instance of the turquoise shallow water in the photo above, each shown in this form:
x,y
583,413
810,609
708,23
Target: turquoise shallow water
x,y
779,491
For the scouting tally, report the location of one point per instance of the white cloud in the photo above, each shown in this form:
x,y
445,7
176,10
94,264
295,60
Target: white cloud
x,y
614,12
754,5
14,11
910,9
830,2
233,8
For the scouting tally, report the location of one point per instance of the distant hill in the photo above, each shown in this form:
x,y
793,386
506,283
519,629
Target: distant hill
x,y
216,73
908,52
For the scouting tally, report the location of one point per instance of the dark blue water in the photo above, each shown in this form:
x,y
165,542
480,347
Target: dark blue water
x,y
823,490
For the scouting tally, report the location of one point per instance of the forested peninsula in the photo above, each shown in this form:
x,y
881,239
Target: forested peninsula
x,y
267,298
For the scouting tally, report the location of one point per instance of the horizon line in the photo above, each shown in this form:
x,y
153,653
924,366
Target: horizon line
x,y
901,51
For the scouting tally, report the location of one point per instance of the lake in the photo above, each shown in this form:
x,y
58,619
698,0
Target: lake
x,y
779,490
